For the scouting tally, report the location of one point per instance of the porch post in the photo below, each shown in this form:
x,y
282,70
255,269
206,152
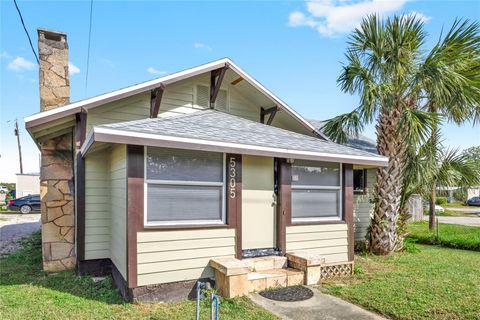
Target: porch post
x,y
135,180
284,202
234,198
347,205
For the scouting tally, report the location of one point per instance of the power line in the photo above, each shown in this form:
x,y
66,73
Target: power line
x,y
26,31
88,50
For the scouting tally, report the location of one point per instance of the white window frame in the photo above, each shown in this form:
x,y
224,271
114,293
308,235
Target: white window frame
x,y
182,183
308,187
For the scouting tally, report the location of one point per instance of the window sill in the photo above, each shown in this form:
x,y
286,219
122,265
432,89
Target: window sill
x,y
187,227
318,222
360,192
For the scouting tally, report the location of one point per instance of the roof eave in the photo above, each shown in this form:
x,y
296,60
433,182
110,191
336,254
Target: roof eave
x,y
108,135
58,113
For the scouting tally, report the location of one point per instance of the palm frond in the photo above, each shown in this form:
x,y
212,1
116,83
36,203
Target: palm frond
x,y
417,125
344,126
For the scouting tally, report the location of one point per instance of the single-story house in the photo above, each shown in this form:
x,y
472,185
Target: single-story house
x,y
200,174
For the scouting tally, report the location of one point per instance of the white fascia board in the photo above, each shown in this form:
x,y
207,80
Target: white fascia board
x,y
46,116
57,113
136,138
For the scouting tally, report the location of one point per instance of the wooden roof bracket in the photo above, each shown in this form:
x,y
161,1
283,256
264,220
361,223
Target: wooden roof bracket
x,y
216,78
270,111
156,99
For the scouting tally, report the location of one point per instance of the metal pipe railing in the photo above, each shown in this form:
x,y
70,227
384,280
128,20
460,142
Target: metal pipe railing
x,y
214,300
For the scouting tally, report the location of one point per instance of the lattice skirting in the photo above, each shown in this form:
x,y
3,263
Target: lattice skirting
x,y
329,271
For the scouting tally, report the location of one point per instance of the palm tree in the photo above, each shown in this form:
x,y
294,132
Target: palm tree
x,y
449,168
398,85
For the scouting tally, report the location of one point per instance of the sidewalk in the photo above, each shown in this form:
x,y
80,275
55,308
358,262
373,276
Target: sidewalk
x,y
320,306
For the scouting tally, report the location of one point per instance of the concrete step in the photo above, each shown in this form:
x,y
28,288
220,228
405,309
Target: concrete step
x,y
266,263
274,278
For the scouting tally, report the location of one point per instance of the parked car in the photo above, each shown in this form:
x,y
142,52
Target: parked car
x,y
439,208
25,204
473,201
3,189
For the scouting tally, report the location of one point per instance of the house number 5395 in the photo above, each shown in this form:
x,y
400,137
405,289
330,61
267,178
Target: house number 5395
x,y
232,177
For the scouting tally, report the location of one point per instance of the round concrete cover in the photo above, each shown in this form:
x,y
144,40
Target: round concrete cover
x,y
295,293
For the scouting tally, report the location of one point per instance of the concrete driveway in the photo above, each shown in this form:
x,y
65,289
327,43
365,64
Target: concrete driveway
x,y
320,307
13,227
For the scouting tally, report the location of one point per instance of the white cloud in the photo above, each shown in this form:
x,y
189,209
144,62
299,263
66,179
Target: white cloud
x,y
420,16
73,69
21,64
152,70
332,17
199,45
4,55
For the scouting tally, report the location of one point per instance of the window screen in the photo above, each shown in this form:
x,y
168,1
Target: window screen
x,y
316,190
184,186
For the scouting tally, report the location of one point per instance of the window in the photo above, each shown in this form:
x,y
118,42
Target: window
x,y
316,191
360,181
184,187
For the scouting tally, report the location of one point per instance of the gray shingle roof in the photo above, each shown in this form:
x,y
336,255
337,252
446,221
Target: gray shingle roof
x,y
361,142
217,126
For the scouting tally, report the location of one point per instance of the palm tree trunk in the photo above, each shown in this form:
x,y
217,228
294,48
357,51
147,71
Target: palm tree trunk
x,y
431,214
389,184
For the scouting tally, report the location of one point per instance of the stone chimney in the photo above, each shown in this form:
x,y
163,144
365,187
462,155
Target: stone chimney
x,y
54,82
56,171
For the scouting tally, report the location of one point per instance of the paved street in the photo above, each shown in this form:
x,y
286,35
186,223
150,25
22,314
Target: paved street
x,y
14,227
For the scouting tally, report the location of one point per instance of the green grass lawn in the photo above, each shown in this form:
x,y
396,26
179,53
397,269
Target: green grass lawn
x,y
26,292
449,235
435,283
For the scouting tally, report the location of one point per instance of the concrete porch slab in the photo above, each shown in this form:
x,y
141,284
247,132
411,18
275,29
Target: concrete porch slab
x,y
320,307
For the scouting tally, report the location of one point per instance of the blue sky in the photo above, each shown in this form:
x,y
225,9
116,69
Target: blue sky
x,y
294,48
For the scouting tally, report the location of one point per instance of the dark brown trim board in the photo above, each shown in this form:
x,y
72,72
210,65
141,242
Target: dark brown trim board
x,y
80,133
347,205
284,203
234,198
156,100
216,78
135,180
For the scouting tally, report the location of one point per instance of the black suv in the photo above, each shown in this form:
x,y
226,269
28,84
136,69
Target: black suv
x,y
25,204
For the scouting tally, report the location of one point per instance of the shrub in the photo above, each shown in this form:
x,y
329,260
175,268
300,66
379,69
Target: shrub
x,y
441,200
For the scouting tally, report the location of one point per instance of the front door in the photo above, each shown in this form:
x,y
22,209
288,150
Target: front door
x,y
258,205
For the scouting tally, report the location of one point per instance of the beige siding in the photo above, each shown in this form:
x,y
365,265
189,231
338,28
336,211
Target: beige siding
x,y
131,108
105,206
118,200
329,240
362,208
97,206
179,98
170,256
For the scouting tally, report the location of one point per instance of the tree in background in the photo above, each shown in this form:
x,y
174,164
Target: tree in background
x,y
397,84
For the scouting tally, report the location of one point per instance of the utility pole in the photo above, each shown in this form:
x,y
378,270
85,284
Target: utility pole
x,y
17,133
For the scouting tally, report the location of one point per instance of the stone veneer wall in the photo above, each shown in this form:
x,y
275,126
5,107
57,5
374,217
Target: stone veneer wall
x,y
54,79
57,204
57,165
